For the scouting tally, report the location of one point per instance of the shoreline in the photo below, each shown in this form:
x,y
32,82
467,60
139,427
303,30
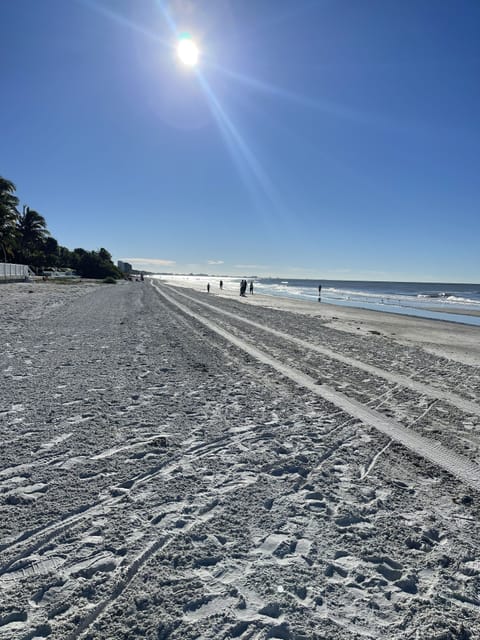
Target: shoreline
x,y
441,337
464,312
461,315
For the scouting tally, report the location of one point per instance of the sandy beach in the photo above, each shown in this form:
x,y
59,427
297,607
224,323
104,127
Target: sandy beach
x,y
181,465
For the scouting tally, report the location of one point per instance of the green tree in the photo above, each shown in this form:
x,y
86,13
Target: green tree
x,y
52,253
95,264
65,257
25,237
104,255
32,233
8,217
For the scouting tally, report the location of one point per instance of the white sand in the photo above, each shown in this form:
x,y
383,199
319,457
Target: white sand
x,y
184,474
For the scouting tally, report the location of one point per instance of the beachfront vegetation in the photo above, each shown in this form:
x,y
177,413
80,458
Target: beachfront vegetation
x,y
25,239
8,216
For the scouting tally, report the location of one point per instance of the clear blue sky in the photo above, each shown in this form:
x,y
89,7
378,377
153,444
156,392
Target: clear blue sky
x,y
316,138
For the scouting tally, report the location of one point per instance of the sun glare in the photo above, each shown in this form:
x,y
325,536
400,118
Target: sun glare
x,y
187,51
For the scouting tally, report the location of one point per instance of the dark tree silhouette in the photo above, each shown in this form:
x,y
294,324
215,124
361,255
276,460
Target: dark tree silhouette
x,y
32,233
52,252
8,217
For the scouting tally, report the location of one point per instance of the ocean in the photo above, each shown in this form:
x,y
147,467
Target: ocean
x,y
452,302
441,301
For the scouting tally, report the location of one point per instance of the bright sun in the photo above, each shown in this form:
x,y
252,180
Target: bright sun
x,y
187,51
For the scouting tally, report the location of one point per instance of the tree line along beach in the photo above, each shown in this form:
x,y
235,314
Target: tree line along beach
x,y
182,465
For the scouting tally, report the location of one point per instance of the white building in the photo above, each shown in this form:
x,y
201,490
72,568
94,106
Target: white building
x,y
125,267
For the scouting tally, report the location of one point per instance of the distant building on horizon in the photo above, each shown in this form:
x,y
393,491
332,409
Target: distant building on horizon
x,y
125,267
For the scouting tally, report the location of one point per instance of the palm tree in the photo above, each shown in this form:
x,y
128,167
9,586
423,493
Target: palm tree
x,y
32,232
8,216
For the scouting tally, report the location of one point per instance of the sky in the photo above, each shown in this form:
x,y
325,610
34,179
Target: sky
x,y
331,139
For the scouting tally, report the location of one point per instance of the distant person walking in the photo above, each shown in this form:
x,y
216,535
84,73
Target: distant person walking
x,y
251,287
243,287
319,292
221,285
208,288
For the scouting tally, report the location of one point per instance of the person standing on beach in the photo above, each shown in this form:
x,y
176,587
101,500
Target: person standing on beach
x,y
208,288
251,287
221,285
319,292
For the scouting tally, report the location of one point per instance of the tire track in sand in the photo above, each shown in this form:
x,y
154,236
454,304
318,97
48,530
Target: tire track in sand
x,y
455,464
436,394
204,511
34,539
30,541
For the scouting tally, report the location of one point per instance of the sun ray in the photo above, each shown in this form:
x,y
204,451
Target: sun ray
x,y
327,106
242,155
168,17
117,17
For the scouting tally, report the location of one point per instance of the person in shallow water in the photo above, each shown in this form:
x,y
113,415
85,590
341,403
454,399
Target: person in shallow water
x,y
251,287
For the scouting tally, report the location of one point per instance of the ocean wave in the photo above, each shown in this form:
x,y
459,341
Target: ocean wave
x,y
448,296
460,300
436,294
414,300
